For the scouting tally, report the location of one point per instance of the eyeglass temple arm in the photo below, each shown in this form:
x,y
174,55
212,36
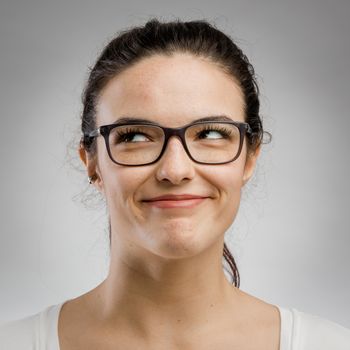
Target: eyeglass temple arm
x,y
88,138
249,129
94,133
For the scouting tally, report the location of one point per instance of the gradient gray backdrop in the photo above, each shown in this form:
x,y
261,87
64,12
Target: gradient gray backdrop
x,y
291,238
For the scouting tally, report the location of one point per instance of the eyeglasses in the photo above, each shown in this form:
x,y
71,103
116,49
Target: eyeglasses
x,y
142,143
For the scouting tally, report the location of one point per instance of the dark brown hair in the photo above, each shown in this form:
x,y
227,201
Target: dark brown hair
x,y
199,38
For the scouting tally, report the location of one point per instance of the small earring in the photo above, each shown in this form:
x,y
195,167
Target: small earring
x,y
92,178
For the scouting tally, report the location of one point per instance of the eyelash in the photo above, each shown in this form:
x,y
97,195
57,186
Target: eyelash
x,y
222,130
122,136
129,131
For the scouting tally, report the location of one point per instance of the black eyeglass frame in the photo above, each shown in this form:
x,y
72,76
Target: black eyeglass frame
x,y
104,130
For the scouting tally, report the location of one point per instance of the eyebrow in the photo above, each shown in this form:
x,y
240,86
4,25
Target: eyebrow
x,y
142,120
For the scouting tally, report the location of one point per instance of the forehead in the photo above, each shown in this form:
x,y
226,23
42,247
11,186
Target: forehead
x,y
170,90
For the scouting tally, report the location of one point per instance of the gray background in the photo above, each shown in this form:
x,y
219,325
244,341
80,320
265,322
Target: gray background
x,y
291,237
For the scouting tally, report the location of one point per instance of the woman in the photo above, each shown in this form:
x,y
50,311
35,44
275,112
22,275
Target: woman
x,y
171,133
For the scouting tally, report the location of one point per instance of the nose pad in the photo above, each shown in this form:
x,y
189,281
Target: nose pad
x,y
175,165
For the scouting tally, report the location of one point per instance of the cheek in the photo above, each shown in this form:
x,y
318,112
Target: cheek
x,y
120,186
227,178
228,181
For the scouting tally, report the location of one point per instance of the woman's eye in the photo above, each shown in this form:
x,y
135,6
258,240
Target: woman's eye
x,y
211,134
132,137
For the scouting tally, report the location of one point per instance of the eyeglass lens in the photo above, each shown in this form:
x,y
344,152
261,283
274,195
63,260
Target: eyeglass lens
x,y
140,144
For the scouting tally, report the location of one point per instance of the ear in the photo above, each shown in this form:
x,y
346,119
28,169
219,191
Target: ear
x,y
249,167
91,165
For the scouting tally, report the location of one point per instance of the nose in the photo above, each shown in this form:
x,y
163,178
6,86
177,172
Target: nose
x,y
175,165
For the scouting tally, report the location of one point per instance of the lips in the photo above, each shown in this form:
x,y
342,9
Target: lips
x,y
173,197
172,201
175,202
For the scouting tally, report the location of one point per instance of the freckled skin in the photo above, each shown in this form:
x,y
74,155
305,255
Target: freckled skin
x,y
171,91
166,283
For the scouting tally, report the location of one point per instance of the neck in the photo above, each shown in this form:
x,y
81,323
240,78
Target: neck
x,y
173,294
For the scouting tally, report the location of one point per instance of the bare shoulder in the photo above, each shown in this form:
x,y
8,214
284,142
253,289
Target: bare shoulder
x,y
264,312
263,319
73,318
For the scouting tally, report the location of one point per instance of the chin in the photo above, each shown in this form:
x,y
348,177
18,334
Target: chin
x,y
181,239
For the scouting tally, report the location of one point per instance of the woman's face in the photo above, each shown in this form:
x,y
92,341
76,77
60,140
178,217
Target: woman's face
x,y
171,91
